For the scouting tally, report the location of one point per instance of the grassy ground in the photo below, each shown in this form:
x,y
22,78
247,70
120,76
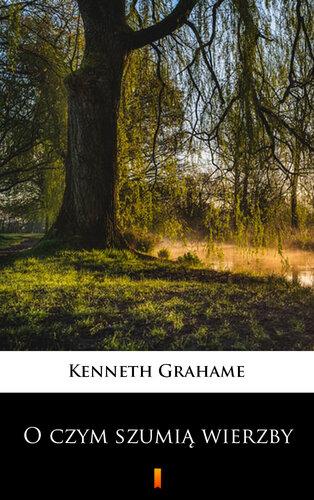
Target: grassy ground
x,y
11,239
111,300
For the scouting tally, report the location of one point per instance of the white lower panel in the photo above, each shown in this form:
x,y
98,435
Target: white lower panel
x,y
156,371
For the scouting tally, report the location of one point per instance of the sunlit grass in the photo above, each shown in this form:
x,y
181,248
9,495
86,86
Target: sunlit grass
x,y
107,300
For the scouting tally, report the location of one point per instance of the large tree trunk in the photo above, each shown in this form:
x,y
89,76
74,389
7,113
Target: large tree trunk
x,y
88,213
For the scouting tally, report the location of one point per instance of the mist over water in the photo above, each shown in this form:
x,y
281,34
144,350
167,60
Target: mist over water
x,y
295,265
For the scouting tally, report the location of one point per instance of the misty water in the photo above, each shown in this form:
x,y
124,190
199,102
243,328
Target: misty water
x,y
294,265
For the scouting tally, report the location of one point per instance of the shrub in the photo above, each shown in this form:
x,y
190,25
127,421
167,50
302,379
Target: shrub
x,y
189,258
142,242
164,254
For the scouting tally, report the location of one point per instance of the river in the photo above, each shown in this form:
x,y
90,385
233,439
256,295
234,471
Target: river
x,y
294,265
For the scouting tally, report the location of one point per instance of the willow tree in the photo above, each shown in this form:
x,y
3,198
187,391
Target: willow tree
x,y
150,141
89,210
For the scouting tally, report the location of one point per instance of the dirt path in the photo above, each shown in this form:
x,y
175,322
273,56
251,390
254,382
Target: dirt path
x,y
26,244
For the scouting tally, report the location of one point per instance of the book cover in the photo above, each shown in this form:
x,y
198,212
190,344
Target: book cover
x,y
156,247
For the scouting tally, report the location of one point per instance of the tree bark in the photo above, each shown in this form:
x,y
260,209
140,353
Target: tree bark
x,y
88,213
294,204
295,223
245,192
89,207
236,193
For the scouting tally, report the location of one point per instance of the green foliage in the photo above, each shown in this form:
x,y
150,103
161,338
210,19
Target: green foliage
x,y
198,157
148,183
33,117
189,259
142,241
164,254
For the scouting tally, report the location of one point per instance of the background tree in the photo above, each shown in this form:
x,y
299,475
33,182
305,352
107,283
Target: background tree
x,y
35,59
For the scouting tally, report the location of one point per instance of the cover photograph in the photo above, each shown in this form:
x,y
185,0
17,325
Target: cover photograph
x,y
156,246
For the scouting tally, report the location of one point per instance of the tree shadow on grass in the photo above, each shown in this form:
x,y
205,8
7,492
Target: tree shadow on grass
x,y
135,304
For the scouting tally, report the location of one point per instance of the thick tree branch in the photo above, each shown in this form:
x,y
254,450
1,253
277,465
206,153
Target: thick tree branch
x,y
168,25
